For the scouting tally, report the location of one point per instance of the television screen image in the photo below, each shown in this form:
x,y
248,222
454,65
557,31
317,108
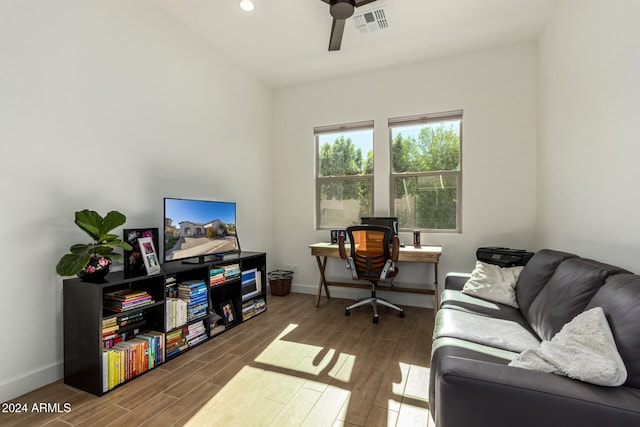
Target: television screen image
x,y
197,228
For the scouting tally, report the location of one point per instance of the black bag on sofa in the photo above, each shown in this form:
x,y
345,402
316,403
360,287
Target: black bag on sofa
x,y
504,257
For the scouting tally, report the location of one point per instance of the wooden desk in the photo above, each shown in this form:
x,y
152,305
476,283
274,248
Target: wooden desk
x,y
424,254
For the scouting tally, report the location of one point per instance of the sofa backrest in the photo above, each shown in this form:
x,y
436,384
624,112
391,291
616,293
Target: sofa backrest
x,y
620,301
536,274
566,294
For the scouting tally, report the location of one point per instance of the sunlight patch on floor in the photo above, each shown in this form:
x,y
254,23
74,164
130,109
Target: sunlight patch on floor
x,y
307,358
265,398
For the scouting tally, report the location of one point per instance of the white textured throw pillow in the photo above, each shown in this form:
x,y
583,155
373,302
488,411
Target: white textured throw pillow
x,y
584,350
493,283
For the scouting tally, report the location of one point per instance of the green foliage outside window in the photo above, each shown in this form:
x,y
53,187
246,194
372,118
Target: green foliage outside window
x,y
346,182
425,168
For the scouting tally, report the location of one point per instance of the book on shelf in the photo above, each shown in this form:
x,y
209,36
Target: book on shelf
x,y
196,295
175,342
232,271
126,299
121,328
216,276
248,310
176,313
128,359
171,287
196,333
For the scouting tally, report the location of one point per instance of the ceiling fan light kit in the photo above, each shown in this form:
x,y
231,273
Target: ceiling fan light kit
x,y
341,10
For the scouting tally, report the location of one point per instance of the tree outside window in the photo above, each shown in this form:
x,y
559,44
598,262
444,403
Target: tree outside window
x,y
344,184
426,171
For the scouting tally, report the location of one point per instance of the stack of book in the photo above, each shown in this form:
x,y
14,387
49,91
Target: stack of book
x,y
216,276
253,307
196,333
121,328
232,271
128,359
248,310
109,332
176,342
260,305
176,313
171,288
196,294
126,299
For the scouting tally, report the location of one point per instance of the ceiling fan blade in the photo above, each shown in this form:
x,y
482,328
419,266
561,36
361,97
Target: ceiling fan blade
x,y
337,28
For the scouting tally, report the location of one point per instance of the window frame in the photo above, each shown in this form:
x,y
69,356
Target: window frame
x,y
424,119
348,127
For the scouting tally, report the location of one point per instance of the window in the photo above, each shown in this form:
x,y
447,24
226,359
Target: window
x,y
426,175
344,174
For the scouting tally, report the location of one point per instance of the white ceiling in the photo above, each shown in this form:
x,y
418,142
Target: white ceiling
x,y
285,42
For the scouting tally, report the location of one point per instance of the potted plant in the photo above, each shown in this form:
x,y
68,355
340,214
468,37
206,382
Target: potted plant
x,y
91,262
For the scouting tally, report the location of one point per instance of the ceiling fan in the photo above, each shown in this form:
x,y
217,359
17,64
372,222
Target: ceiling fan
x,y
341,10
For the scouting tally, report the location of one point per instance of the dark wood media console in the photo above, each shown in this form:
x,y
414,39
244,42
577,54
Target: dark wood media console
x,y
98,340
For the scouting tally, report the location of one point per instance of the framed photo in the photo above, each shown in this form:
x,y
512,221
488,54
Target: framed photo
x,y
133,261
228,314
149,255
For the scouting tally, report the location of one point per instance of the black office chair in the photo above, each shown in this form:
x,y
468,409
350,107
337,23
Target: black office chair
x,y
373,255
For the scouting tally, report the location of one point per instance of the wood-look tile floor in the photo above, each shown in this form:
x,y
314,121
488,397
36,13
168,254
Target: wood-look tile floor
x,y
294,365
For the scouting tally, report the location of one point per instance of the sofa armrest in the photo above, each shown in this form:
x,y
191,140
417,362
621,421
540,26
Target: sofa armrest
x,y
456,281
477,393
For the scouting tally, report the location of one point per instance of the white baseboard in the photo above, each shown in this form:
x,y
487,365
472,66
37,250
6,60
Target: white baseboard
x,y
398,298
18,386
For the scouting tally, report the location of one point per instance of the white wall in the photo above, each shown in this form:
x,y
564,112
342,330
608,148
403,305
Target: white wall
x,y
588,173
110,104
497,91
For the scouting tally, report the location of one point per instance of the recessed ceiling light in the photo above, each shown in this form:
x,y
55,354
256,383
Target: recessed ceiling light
x,y
246,5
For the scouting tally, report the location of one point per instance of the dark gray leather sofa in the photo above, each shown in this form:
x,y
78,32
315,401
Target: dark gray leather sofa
x,y
474,340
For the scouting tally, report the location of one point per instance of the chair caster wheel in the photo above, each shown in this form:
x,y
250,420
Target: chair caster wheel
x,y
402,313
347,312
375,319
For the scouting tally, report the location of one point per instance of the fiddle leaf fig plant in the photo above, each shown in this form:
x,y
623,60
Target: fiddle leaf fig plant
x,y
103,245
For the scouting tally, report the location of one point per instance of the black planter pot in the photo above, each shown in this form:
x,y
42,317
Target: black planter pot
x,y
96,270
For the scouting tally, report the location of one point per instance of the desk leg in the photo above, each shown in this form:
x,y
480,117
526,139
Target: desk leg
x,y
322,264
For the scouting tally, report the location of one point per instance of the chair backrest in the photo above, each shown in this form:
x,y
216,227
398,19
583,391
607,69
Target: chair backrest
x,y
370,249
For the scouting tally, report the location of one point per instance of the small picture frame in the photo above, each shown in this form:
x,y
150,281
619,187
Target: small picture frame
x,y
149,255
133,261
227,312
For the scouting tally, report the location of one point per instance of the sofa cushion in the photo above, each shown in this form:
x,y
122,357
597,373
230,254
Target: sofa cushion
x,y
509,334
493,283
456,300
536,274
567,293
620,300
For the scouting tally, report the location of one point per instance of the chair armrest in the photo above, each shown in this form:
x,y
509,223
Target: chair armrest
x,y
479,393
456,281
395,249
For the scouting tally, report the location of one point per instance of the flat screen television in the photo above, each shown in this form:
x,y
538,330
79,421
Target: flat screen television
x,y
386,221
198,229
